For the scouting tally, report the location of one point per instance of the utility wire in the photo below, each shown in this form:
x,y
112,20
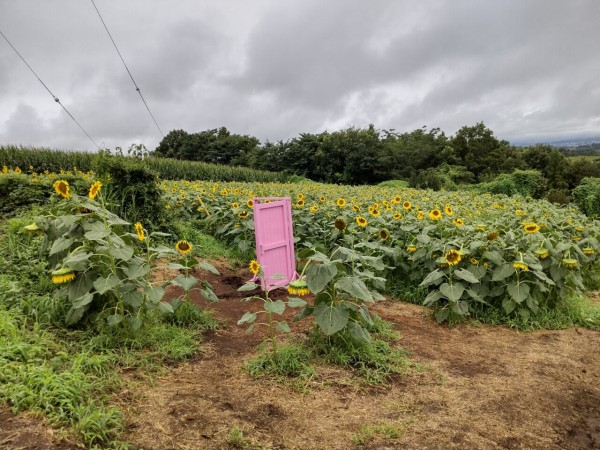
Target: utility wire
x,y
48,89
127,68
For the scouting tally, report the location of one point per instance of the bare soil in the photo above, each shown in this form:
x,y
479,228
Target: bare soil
x,y
477,387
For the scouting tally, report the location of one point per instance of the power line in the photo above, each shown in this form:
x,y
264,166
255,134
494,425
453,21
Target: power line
x,y
48,89
127,68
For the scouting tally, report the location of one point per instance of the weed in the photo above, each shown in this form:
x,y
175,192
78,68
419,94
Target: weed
x,y
367,433
290,361
237,440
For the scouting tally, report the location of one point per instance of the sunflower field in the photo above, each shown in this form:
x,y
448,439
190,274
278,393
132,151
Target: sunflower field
x,y
467,250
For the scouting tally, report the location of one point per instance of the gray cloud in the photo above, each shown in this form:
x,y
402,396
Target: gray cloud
x,y
275,69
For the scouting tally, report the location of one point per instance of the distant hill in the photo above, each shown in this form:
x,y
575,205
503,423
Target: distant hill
x,y
561,143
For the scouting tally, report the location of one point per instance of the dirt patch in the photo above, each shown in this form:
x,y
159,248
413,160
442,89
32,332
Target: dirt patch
x,y
27,432
480,387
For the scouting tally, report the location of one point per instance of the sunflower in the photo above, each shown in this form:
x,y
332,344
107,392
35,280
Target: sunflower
x,y
474,261
298,287
580,229
62,188
542,253
375,212
95,189
301,196
420,215
250,203
341,202
254,266
361,221
235,205
300,203
322,199
396,200
458,222
452,257
492,236
519,212
448,210
576,238
531,228
435,214
397,216
570,263
183,247
520,265
588,251
313,209
243,214
4,169
411,248
355,208
384,234
140,231
340,224
63,275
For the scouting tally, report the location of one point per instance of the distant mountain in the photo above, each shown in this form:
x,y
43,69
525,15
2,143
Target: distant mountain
x,y
562,143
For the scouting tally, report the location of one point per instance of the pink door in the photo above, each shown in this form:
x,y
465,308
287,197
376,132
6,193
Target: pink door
x,y
274,241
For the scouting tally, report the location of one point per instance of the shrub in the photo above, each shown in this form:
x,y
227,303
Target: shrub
x,y
587,196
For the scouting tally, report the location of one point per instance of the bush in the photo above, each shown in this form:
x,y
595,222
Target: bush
x,y
587,196
132,191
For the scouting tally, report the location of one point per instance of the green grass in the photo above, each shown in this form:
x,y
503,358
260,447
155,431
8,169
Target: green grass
x,y
205,245
291,361
237,440
576,311
391,430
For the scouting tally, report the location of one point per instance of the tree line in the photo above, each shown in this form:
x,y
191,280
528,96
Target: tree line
x,y
426,158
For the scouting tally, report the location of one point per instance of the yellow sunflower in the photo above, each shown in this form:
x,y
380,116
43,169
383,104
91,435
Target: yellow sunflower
x,y
569,263
340,224
520,265
298,287
183,247
250,203
458,222
411,248
448,210
235,205
341,202
420,215
139,229
588,251
453,257
406,205
375,212
300,203
361,221
531,228
63,275
435,214
95,189
384,234
62,188
243,214
397,216
254,266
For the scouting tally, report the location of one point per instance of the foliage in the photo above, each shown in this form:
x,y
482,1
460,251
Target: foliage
x,y
587,196
290,361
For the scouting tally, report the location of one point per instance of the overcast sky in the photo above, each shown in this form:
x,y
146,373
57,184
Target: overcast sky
x,y
529,69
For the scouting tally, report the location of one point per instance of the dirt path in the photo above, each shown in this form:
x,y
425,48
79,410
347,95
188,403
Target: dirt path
x,y
480,387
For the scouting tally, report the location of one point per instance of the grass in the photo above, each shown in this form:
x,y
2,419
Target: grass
x,y
237,440
206,246
291,361
73,377
391,430
576,311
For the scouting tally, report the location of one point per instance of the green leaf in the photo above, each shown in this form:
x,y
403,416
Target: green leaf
x,y
80,285
493,256
452,292
74,315
532,304
136,271
294,302
165,308
432,297
283,327
518,292
154,293
208,267
133,299
78,260
250,328
277,307
209,295
103,285
461,308
542,276
122,253
509,305
319,275
60,244
135,323
502,272
176,266
84,300
364,313
248,317
355,287
475,296
441,315
358,332
432,278
186,283
465,275
97,234
250,286
304,312
114,319
331,318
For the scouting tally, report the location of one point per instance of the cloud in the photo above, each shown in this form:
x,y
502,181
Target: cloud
x,y
276,69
